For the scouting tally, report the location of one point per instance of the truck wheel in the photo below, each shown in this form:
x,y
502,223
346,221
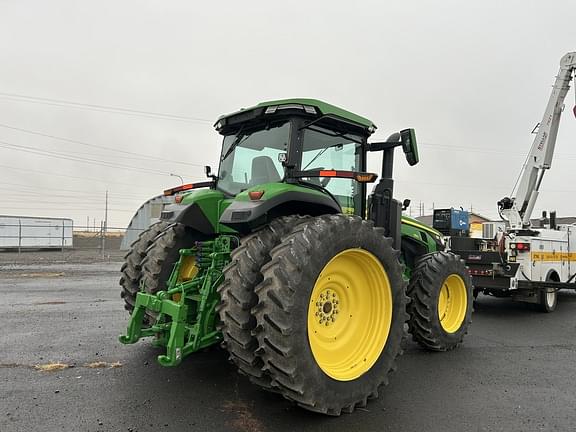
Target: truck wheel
x,y
548,300
163,253
441,295
132,267
238,298
330,313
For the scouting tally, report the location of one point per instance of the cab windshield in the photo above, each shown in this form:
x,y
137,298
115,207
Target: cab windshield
x,y
251,157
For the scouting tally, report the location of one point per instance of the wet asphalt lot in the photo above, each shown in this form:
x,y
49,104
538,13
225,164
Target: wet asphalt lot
x,y
515,372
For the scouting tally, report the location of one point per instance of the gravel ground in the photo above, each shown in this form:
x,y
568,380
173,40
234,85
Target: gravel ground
x,y
515,372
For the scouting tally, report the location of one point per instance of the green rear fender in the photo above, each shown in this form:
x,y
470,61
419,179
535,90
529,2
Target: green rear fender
x,y
249,211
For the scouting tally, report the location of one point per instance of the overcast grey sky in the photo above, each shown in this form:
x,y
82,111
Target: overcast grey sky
x,y
472,78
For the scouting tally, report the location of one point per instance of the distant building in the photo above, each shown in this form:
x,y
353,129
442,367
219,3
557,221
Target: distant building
x,y
146,215
542,222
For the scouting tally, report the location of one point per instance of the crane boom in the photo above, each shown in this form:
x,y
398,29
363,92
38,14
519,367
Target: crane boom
x,y
518,209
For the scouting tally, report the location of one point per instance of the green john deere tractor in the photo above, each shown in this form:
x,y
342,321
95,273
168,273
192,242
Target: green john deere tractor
x,y
283,259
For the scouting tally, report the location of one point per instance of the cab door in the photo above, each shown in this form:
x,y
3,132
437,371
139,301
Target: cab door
x,y
324,149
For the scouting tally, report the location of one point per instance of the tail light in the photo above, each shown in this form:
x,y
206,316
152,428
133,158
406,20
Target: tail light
x,y
521,247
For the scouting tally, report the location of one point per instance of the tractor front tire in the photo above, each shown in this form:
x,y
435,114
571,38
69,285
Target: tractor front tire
x,y
132,267
237,296
163,253
330,313
441,295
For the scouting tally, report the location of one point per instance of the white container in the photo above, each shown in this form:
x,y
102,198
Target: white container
x,y
35,232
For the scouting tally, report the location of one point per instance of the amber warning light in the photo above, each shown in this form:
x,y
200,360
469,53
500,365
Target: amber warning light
x,y
255,195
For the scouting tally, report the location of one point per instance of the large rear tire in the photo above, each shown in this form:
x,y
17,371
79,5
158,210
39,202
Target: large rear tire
x,y
441,295
331,313
132,267
238,298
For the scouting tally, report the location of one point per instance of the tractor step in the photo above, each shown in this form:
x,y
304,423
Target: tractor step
x,y
185,312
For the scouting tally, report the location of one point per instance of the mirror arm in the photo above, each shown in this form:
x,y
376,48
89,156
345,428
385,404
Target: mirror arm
x,y
379,146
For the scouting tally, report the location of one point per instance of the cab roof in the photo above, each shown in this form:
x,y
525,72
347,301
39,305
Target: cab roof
x,y
322,108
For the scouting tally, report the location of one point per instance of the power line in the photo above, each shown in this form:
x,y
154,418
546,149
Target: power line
x,y
104,181
63,156
139,155
97,205
66,209
78,191
56,198
101,108
489,150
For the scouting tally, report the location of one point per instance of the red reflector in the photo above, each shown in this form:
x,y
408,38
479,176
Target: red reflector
x,y
327,173
255,195
175,190
523,246
178,199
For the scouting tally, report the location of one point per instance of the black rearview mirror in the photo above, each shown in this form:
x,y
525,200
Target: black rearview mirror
x,y
207,170
406,204
408,139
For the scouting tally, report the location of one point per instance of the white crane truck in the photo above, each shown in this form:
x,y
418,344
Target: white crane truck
x,y
525,262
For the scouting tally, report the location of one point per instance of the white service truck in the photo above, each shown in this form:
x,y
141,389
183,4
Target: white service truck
x,y
522,261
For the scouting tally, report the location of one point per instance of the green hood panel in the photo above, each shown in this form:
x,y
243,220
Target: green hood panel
x,y
272,190
406,220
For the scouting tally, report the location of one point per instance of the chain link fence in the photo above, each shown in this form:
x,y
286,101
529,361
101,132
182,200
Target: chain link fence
x,y
61,241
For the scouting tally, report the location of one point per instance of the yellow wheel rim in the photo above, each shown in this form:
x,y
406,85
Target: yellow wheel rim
x,y
349,314
452,303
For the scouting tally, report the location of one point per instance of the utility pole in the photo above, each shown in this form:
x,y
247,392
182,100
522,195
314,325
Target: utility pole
x,y
105,225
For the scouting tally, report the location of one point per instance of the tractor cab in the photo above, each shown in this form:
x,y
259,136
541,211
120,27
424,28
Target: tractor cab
x,y
297,141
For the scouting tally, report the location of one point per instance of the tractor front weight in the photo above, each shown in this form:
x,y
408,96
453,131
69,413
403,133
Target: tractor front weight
x,y
185,313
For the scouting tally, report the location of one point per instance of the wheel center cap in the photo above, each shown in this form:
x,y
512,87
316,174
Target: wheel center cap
x,y
327,307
